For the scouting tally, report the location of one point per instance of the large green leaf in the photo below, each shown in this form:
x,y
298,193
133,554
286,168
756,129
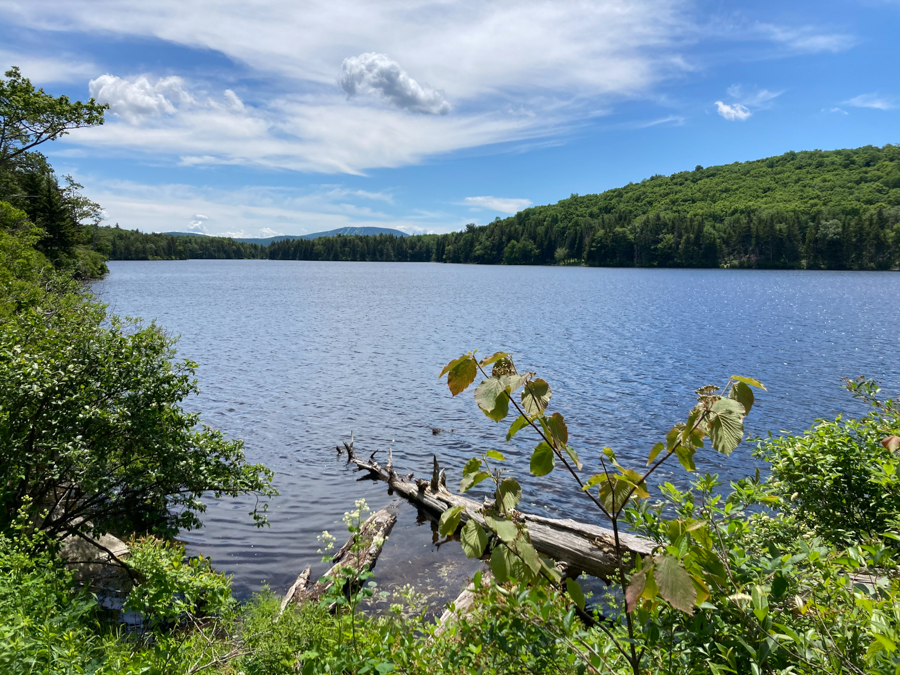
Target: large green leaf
x,y
573,455
509,493
450,520
535,396
472,466
515,427
472,479
743,394
493,454
574,590
500,564
514,381
613,493
542,459
492,397
473,539
505,529
726,426
460,373
529,555
674,583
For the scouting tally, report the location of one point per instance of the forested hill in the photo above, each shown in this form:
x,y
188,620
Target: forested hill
x,y
121,244
835,209
818,209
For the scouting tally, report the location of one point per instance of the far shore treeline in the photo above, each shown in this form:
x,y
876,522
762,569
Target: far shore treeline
x,y
835,209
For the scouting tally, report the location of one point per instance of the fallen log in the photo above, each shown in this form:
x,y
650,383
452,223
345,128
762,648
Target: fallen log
x,y
583,547
359,554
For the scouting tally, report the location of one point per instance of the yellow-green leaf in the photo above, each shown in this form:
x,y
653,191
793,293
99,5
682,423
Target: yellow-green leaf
x,y
750,381
461,373
491,359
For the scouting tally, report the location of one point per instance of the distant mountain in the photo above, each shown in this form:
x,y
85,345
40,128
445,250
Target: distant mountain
x,y
344,231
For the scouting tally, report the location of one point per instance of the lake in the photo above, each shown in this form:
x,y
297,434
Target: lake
x,y
295,355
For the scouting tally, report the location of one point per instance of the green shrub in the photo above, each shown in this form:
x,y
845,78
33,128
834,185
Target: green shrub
x,y
838,479
170,587
92,429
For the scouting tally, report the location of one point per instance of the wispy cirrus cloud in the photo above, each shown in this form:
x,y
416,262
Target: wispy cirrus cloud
x,y
808,39
47,69
873,100
501,204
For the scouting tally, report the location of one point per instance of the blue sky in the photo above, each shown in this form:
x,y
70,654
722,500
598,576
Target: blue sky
x,y
284,117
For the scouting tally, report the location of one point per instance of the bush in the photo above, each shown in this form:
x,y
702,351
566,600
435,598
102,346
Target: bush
x,y
838,479
92,429
171,587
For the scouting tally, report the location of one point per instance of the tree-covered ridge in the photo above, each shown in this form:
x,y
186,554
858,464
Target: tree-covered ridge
x,y
819,209
119,244
835,209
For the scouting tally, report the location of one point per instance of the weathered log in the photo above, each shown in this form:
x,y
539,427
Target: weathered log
x,y
584,547
360,553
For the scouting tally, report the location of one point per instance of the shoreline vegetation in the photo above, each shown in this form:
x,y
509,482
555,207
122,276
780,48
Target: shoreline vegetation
x,y
794,571
837,209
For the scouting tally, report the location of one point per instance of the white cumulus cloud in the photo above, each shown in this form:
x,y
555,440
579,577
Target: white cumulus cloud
x,y
372,73
266,232
502,204
734,112
139,98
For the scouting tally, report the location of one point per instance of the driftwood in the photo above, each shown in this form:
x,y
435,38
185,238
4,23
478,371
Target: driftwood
x,y
368,543
583,547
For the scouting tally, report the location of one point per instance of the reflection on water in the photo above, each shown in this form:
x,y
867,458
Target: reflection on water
x,y
295,355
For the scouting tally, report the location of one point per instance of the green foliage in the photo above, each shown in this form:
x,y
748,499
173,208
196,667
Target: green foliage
x,y
835,209
839,478
91,427
22,268
29,116
170,587
121,244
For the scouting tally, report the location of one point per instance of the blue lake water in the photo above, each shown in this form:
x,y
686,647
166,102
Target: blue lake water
x,y
295,355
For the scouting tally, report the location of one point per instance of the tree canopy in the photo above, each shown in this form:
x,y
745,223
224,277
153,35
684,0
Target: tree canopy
x,y
30,117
